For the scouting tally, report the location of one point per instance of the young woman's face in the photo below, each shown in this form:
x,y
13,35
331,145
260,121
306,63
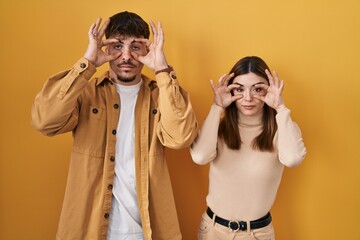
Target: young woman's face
x,y
248,87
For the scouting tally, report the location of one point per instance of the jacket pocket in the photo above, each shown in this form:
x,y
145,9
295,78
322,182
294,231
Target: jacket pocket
x,y
90,133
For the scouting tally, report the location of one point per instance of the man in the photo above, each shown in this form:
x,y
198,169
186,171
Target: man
x,y
118,183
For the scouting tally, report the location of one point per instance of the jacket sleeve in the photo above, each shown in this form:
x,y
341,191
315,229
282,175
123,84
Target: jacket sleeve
x,y
56,109
177,126
291,148
204,148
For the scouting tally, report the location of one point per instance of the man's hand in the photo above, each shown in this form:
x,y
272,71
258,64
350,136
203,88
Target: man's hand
x,y
155,58
94,53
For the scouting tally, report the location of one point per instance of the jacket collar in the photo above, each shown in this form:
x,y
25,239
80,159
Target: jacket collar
x,y
106,77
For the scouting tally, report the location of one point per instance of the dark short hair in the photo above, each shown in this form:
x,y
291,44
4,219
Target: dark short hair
x,y
127,23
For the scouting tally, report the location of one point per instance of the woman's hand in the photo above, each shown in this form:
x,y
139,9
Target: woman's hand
x,y
273,93
222,92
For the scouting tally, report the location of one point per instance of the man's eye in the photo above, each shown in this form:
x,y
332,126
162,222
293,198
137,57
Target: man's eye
x,y
135,48
117,47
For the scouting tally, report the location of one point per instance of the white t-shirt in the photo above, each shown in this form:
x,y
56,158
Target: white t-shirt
x,y
125,222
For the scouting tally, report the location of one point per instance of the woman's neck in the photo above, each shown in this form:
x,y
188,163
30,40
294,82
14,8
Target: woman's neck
x,y
253,120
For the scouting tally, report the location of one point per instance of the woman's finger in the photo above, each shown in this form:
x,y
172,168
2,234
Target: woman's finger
x,y
281,85
228,77
271,80
260,97
236,97
212,85
221,80
233,86
262,86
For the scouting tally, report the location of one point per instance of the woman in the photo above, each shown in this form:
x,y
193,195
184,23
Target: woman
x,y
247,149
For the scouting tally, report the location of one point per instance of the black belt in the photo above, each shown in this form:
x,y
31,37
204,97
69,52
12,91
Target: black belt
x,y
241,225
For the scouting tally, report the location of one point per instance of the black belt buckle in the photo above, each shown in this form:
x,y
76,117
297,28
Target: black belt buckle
x,y
236,226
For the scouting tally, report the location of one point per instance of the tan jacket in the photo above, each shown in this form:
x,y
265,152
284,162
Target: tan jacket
x,y
90,109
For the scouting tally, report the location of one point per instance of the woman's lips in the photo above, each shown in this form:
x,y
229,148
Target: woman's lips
x,y
248,107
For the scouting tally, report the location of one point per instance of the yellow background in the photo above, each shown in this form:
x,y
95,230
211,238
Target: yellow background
x,y
314,46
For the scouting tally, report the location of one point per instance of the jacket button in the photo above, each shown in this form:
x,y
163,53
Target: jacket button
x,y
110,186
106,215
116,106
112,158
95,110
154,111
83,65
114,132
173,76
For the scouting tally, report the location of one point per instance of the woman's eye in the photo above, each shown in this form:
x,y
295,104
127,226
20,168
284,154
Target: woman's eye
x,y
239,90
258,89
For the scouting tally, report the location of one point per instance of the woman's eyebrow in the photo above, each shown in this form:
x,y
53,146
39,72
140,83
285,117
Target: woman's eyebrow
x,y
251,85
258,83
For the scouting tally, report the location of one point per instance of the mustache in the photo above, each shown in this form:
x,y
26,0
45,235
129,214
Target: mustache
x,y
127,63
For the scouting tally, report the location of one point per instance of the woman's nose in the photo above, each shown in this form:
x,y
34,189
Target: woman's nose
x,y
248,96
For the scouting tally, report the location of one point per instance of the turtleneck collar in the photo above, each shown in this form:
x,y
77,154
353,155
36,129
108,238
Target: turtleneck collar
x,y
250,121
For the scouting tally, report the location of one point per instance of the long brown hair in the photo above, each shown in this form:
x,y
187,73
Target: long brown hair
x,y
228,128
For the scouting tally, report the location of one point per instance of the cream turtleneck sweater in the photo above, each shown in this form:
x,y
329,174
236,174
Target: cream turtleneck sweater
x,y
243,183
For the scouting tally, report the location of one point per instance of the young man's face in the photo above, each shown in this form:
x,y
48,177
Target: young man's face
x,y
126,69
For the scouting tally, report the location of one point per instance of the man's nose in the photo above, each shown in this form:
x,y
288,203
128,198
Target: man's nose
x,y
126,54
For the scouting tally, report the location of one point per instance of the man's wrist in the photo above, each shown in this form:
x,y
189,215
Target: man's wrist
x,y
167,69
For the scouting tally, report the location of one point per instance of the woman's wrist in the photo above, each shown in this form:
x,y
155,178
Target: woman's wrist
x,y
280,108
217,106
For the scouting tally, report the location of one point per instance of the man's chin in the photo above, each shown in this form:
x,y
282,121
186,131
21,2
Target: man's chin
x,y
126,79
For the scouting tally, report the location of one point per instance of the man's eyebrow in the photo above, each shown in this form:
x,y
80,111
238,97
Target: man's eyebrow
x,y
122,41
132,42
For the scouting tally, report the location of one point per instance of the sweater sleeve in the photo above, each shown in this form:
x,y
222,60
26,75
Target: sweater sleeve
x,y
204,148
55,109
291,148
178,126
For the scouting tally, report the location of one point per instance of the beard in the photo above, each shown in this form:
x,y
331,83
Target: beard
x,y
125,79
125,76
